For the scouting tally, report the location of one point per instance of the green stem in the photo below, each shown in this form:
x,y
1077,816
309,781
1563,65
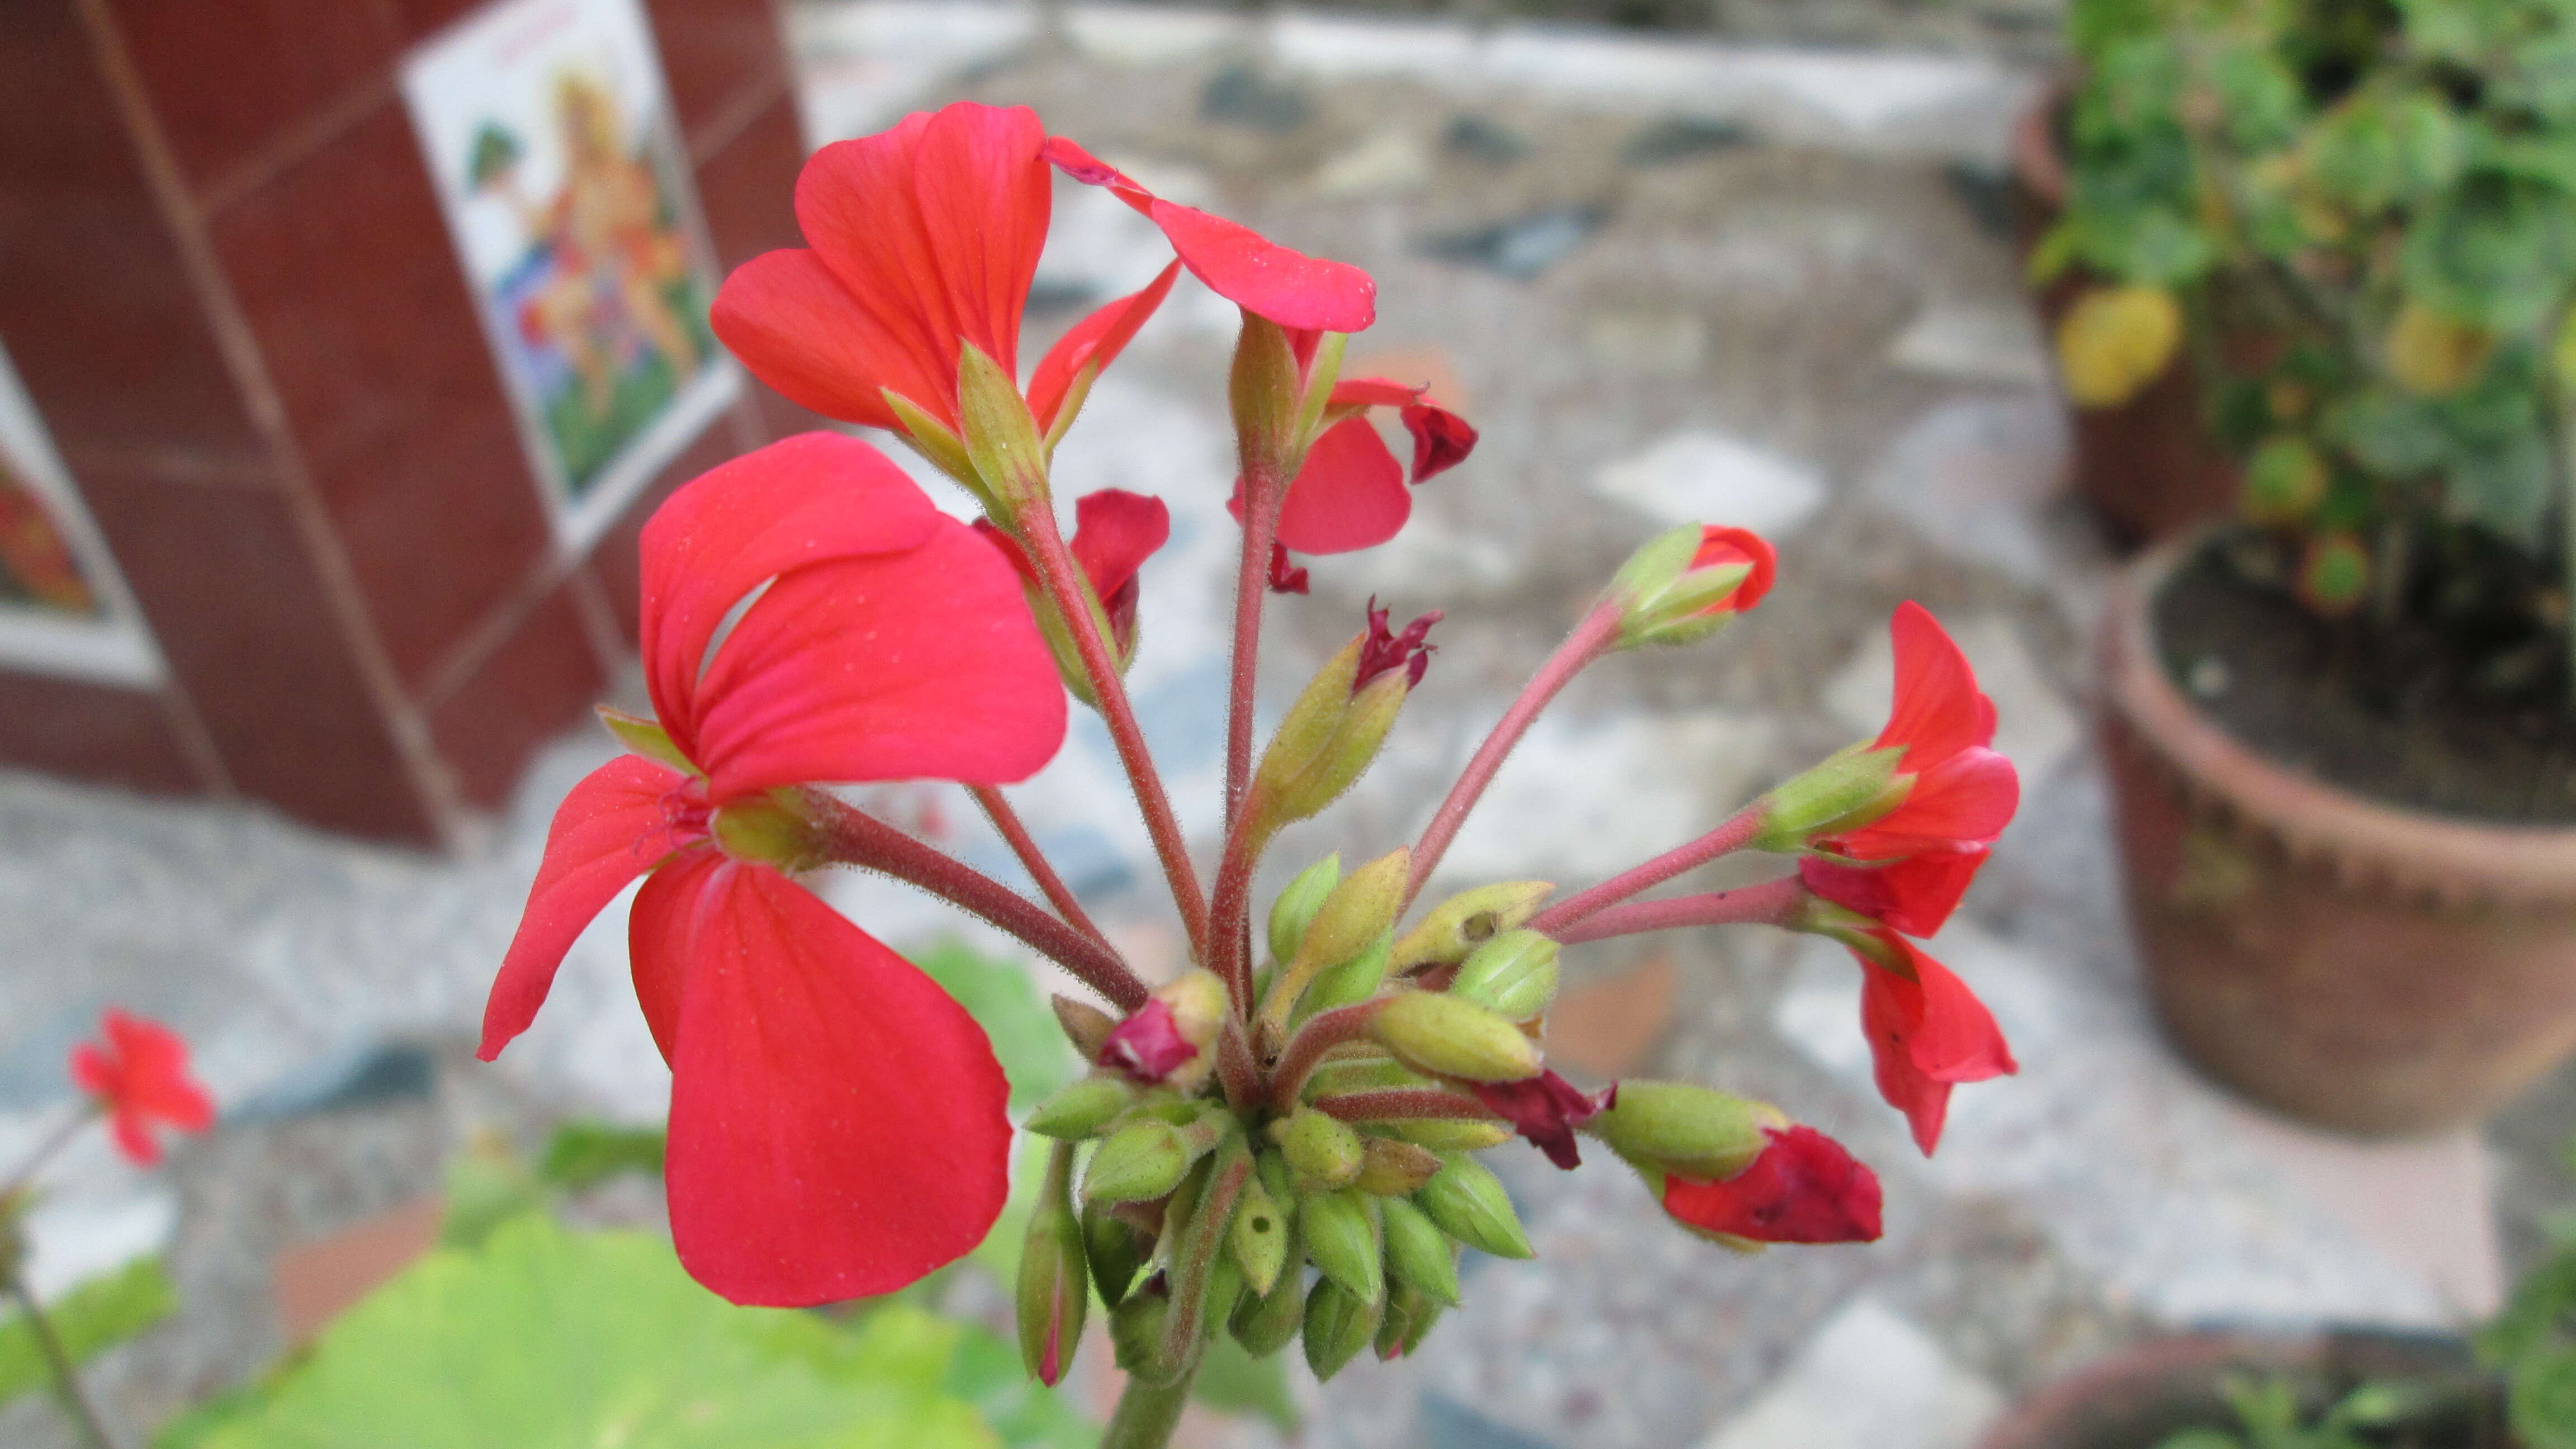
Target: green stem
x,y
1147,1414
67,1386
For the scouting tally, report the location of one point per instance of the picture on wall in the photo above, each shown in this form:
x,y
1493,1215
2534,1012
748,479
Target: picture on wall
x,y
558,161
63,609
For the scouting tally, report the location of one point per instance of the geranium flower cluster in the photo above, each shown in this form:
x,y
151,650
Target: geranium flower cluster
x,y
1310,1092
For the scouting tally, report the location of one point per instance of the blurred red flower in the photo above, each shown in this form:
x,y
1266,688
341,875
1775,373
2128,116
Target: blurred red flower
x,y
140,1075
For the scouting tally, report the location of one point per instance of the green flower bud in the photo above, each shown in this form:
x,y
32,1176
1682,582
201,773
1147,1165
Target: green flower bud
x,y
1001,436
1348,752
1055,1277
1851,788
1392,1169
1115,1250
1357,910
1138,1163
1328,738
1665,597
1298,903
1514,973
1225,1290
1340,1230
1258,1237
1466,1201
1350,983
1263,1324
1467,920
1687,1129
1082,1109
1378,1074
1136,1333
1432,1031
1308,726
1268,399
1320,1149
1408,1318
1418,1253
1339,1324
1446,1134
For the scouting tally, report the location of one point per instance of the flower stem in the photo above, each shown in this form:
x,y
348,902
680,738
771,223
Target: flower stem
x,y
1034,861
55,1142
1771,903
1065,589
67,1385
1739,828
1590,640
1147,1414
1322,1032
854,837
1229,913
1401,1102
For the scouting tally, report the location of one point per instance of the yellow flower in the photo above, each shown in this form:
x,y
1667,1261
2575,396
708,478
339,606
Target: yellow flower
x,y
2114,341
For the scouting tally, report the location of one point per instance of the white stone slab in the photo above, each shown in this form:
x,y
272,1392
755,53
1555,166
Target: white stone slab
x,y
860,67
1697,476
1145,35
1869,1379
1972,475
1392,160
1973,342
2033,725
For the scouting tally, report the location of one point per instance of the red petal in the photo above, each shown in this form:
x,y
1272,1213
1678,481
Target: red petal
x,y
984,197
1964,802
93,1071
799,330
1955,1038
1368,392
1265,278
857,206
658,929
1115,531
1069,157
1441,441
613,827
837,1124
1913,894
1349,494
1938,710
1148,1045
799,501
1891,1010
1096,340
1284,578
919,665
1804,1188
1546,1109
1738,545
133,1134
1012,554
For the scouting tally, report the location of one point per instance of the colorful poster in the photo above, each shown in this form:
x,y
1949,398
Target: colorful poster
x,y
63,610
556,155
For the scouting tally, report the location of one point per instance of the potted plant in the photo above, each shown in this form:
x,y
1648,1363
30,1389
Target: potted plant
x,y
2339,724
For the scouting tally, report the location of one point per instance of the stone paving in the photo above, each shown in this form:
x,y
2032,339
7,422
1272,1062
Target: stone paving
x,y
1667,281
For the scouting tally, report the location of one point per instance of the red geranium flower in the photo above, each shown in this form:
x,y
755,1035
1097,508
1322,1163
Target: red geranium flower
x,y
1115,531
923,238
140,1075
1720,547
1960,795
1350,492
1299,292
837,1122
1927,1032
1913,894
1804,1188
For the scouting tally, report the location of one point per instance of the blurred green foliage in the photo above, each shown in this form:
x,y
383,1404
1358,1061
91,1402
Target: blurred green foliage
x,y
90,1319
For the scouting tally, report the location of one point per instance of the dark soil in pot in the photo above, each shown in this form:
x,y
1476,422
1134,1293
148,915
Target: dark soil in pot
x,y
2456,705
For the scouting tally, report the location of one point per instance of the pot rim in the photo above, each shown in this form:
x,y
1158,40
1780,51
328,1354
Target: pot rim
x,y
2456,860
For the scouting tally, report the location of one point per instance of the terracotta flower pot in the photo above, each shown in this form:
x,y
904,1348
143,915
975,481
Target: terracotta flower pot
x,y
2133,1399
2147,466
2369,968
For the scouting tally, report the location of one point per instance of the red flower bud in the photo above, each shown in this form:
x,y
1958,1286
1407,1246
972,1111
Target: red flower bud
x,y
1804,1188
1148,1045
1722,546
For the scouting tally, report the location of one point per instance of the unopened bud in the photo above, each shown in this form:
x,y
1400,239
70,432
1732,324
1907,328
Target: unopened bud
x,y
1683,1128
1169,1039
1689,582
1328,738
1350,983
1082,1109
1115,1249
1432,1031
1136,1332
1467,920
1514,973
1339,1323
1318,1148
1055,1278
1357,910
1418,1253
1466,1201
1393,1169
1001,436
1362,1074
1297,904
1085,1025
1264,1324
1340,1231
1268,400
1138,1163
1408,1317
1848,790
1447,1134
1258,1237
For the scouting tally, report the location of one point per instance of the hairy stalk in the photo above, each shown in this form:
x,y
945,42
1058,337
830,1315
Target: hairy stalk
x,y
1724,840
1230,912
1322,1032
1772,903
54,1142
1590,640
67,1384
1147,1414
1064,588
1397,1103
1034,861
1236,1070
854,837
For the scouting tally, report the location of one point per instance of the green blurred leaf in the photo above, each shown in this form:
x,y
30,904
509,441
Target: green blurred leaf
x,y
2544,1300
92,1318
1231,1379
987,1373
2540,1400
581,1154
1002,999
2496,253
2505,489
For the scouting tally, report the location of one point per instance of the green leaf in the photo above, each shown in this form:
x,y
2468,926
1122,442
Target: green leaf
x,y
2506,489
987,1373
2200,1439
92,1318
2540,1400
2385,148
1232,1380
1002,999
581,1154
542,1339
2391,433
2546,1297
2497,253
